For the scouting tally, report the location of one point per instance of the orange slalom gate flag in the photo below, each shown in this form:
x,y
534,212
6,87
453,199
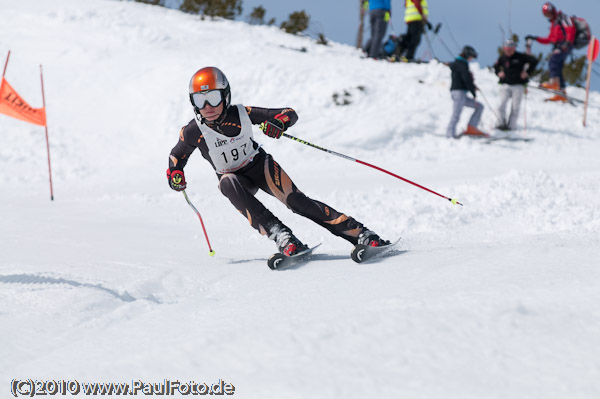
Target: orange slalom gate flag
x,y
12,104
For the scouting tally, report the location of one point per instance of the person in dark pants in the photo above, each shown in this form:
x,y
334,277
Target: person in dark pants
x,y
562,37
223,134
513,68
463,82
416,14
379,17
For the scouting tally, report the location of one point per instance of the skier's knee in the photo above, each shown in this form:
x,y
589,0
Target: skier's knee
x,y
231,185
295,202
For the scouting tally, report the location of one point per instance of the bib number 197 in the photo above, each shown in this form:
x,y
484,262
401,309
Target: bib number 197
x,y
235,154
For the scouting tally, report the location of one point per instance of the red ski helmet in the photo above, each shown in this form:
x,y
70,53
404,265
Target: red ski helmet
x,y
549,11
209,85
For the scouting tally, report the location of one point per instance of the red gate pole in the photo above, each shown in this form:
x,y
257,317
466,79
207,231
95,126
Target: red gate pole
x,y
591,56
6,64
4,72
47,141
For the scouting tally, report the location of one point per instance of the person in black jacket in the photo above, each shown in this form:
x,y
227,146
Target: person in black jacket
x,y
513,69
223,134
463,82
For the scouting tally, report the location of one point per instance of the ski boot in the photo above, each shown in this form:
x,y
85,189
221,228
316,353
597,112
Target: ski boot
x,y
287,243
371,239
473,131
559,97
552,84
503,127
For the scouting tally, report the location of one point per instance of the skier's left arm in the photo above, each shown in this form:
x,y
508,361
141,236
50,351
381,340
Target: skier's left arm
x,y
498,68
570,32
468,79
273,121
417,4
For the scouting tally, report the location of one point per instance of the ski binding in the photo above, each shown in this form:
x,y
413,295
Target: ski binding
x,y
279,261
362,253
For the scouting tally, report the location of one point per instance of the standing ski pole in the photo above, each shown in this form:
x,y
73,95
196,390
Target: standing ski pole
x,y
429,42
446,47
211,251
451,35
525,110
429,51
490,105
452,200
525,68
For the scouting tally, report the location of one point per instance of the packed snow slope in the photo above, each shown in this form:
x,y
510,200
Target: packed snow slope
x,y
112,282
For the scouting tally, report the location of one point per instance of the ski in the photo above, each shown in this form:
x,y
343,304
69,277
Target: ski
x,y
507,136
571,100
523,139
362,253
475,136
279,261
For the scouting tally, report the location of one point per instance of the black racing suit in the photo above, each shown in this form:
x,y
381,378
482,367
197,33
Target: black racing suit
x,y
264,173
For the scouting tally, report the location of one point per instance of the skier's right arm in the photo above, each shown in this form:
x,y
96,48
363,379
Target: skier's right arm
x,y
498,66
177,161
555,33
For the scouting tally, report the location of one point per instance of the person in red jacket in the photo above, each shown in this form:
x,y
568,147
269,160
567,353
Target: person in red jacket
x,y
562,37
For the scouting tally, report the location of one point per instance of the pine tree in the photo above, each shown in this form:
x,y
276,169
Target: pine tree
x,y
228,9
298,21
257,17
322,40
574,71
152,2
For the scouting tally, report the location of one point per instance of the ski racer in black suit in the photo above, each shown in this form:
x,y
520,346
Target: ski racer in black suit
x,y
223,134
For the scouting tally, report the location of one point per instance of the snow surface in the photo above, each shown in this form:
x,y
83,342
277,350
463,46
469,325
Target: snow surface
x,y
112,281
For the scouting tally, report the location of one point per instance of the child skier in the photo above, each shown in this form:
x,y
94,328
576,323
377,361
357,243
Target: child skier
x,y
462,82
223,134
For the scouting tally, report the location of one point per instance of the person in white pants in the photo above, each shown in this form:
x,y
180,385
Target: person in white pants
x,y
513,69
514,93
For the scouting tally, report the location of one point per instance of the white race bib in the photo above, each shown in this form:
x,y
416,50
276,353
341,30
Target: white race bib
x,y
229,154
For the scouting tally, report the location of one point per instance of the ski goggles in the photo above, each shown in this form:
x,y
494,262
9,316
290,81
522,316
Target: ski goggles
x,y
211,97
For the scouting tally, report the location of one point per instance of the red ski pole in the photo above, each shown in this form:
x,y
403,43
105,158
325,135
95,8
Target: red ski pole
x,y
211,251
452,200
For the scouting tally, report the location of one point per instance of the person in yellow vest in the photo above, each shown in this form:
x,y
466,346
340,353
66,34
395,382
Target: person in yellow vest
x,y
416,14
